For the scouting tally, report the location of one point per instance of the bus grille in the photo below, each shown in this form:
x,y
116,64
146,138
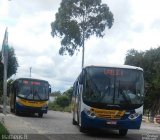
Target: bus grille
x,y
108,114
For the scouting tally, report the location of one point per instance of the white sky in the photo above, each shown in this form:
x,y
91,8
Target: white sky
x,y
136,25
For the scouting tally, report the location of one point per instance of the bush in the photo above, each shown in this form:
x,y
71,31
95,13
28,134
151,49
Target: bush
x,y
3,130
62,101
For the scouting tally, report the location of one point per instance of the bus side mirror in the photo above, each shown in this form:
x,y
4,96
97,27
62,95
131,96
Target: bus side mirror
x,y
49,90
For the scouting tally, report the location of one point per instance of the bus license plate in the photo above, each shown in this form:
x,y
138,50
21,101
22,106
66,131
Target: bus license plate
x,y
111,122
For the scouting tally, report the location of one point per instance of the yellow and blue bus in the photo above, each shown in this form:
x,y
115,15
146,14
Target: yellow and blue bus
x,y
29,96
109,97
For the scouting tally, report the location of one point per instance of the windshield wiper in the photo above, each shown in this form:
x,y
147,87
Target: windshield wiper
x,y
28,94
125,98
38,95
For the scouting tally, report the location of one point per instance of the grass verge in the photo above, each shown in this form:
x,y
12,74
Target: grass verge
x,y
3,130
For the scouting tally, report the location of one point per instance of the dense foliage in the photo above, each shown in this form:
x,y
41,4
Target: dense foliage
x,y
77,20
62,101
3,130
12,66
150,62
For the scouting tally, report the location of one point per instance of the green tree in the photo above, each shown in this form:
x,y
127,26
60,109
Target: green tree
x,y
150,62
12,66
77,20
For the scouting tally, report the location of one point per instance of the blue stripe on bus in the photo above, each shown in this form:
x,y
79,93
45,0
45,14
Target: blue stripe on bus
x,y
22,108
89,122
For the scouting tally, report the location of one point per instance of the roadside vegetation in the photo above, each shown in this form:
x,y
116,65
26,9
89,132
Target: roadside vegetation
x,y
149,60
62,101
3,130
12,67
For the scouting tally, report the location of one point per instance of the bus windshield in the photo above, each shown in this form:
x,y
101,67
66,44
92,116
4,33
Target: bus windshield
x,y
113,86
33,90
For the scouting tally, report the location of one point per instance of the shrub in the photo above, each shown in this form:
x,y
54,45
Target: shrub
x,y
62,101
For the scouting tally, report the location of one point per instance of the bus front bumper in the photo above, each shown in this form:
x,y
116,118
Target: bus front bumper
x,y
89,122
29,109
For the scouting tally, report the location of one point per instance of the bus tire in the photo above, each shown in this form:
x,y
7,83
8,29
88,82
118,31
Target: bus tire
x,y
40,114
11,110
74,122
16,112
123,132
82,129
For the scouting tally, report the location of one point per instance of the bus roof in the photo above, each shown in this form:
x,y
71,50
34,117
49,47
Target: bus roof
x,y
31,79
118,66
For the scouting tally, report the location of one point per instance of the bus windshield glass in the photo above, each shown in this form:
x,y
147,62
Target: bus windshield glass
x,y
33,90
114,86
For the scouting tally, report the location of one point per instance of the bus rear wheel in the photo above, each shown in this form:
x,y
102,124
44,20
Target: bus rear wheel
x,y
83,129
74,122
123,132
40,114
11,110
17,112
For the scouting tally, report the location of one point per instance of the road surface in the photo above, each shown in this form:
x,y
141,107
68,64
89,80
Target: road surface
x,y
58,126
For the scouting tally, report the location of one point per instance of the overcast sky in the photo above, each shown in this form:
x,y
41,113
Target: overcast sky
x,y
136,25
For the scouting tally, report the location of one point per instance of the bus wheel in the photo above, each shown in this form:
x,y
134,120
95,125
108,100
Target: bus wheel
x,y
74,122
123,132
16,112
40,114
11,110
82,129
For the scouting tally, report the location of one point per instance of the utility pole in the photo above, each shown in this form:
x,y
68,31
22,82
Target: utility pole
x,y
83,50
5,84
30,69
5,64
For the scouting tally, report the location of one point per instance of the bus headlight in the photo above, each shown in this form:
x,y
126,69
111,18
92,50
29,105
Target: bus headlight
x,y
134,116
90,113
44,107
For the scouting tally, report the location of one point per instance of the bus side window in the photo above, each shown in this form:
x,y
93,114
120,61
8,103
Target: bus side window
x,y
74,90
80,80
81,77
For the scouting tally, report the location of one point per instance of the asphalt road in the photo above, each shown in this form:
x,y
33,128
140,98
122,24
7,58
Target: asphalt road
x,y
58,126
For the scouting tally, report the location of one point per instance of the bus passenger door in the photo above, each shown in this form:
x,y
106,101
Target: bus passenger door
x,y
11,98
80,90
75,102
78,104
